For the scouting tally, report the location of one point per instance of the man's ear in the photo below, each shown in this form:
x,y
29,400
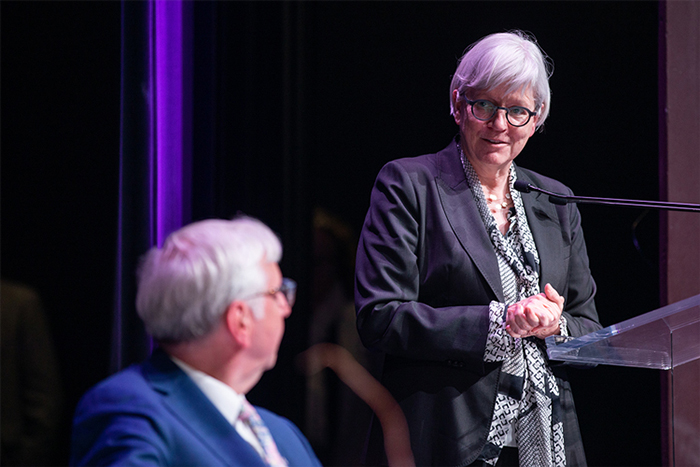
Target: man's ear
x,y
239,322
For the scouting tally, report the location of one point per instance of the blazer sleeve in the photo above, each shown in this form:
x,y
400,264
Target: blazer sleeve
x,y
579,307
400,309
563,253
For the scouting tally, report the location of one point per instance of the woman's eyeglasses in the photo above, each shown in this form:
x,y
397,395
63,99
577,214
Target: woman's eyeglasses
x,y
485,110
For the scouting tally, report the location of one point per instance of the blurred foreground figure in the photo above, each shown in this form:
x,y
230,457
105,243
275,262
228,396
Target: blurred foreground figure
x,y
336,417
32,395
460,278
214,299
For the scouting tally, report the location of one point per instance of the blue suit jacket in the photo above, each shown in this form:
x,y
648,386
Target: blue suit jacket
x,y
154,414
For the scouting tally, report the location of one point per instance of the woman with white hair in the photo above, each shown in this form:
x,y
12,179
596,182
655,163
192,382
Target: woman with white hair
x,y
459,278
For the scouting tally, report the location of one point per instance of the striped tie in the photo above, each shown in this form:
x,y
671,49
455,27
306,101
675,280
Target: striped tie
x,y
251,417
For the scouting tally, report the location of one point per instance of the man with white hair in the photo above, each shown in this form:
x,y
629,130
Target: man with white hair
x,y
214,299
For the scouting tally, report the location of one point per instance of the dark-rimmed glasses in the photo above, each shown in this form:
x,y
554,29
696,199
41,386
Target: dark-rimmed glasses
x,y
288,289
485,110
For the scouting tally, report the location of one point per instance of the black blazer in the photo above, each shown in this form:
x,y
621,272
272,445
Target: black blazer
x,y
426,272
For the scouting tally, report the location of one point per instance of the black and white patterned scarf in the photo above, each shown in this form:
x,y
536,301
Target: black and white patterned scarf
x,y
528,397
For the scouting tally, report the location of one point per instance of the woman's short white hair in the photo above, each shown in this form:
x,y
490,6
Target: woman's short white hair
x,y
511,58
186,286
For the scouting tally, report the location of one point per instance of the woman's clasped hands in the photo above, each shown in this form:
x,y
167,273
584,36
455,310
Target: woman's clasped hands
x,y
537,315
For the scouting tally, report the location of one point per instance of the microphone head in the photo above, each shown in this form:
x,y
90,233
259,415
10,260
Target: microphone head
x,y
522,186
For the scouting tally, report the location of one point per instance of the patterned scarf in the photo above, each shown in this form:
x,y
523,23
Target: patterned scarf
x,y
528,394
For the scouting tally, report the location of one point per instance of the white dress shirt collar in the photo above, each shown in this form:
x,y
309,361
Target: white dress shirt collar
x,y
224,398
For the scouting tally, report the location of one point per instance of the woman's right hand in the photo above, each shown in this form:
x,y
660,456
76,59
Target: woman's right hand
x,y
537,315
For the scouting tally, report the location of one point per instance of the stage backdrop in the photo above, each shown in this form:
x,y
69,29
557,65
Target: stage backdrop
x,y
296,106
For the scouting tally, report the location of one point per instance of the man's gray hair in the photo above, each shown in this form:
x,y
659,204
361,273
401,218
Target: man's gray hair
x,y
511,58
185,287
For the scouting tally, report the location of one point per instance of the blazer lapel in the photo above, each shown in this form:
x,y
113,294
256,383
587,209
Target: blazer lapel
x,y
464,218
461,212
547,233
197,414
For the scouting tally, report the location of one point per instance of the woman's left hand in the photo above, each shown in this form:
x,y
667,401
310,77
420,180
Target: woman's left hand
x,y
536,316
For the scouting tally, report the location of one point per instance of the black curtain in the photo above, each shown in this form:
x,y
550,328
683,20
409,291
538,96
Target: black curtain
x,y
248,154
135,236
262,155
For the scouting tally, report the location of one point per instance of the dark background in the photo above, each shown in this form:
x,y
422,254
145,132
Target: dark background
x,y
298,106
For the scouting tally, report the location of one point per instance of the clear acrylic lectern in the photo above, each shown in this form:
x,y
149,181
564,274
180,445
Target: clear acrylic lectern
x,y
664,339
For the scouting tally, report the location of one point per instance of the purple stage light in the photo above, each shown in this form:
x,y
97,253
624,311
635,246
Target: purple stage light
x,y
171,116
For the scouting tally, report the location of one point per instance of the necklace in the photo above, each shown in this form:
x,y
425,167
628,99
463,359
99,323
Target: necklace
x,y
502,203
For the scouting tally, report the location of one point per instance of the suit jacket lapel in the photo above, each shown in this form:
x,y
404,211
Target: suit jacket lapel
x,y
187,403
462,214
546,231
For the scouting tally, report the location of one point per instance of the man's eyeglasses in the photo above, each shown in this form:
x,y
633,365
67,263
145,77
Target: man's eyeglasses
x,y
485,110
288,289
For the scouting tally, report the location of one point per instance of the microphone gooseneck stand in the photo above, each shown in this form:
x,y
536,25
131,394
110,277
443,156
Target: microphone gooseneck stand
x,y
560,199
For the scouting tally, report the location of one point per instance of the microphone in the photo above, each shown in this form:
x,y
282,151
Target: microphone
x,y
522,187
560,199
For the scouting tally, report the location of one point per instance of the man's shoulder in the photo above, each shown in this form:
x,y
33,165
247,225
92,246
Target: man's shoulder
x,y
272,419
289,439
139,377
139,381
122,387
281,427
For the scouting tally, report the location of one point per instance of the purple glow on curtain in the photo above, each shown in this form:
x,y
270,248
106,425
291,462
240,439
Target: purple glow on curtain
x,y
171,119
155,151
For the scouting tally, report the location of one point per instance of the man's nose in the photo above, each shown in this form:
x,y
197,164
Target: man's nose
x,y
286,307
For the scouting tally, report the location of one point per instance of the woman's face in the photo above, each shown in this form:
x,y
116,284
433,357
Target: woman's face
x,y
491,146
